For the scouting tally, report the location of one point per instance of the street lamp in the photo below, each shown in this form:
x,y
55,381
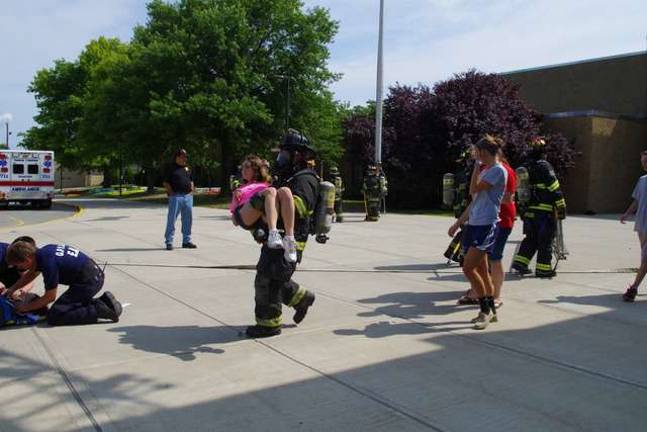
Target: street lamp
x,y
6,119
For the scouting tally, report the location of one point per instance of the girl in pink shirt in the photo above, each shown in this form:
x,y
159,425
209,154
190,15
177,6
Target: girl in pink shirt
x,y
256,199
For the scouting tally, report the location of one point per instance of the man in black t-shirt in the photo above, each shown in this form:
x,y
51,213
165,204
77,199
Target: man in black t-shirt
x,y
179,188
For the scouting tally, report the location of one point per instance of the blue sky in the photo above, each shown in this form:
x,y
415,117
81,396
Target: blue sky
x,y
424,41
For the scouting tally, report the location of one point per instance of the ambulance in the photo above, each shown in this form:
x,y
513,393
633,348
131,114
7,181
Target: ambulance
x,y
26,176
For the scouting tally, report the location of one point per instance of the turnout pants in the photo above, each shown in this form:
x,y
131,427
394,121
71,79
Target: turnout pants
x,y
539,232
273,287
76,305
372,204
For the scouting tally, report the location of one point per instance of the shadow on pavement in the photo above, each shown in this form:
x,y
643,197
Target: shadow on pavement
x,y
411,305
182,342
551,377
386,328
563,376
40,401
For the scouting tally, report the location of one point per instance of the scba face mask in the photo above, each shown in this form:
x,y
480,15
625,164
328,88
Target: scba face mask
x,y
283,160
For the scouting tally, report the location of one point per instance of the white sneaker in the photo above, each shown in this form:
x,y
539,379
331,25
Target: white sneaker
x,y
483,320
274,240
492,320
290,247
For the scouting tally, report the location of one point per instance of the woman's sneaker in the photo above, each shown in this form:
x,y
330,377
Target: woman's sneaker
x,y
493,319
290,246
483,320
630,294
274,240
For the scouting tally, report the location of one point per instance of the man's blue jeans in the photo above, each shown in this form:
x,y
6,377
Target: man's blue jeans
x,y
179,204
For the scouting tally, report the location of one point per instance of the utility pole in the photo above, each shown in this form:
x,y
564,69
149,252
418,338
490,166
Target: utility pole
x,y
287,102
378,99
287,79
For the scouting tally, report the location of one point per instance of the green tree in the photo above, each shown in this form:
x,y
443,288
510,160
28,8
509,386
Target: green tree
x,y
105,118
70,103
208,75
59,93
216,73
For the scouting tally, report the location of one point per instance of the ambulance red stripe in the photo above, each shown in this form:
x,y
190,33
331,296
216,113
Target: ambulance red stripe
x,y
26,183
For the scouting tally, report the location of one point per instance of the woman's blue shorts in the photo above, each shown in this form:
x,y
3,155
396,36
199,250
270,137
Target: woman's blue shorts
x,y
500,238
478,236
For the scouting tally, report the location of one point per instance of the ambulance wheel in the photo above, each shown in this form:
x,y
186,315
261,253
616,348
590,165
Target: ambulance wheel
x,y
4,205
45,204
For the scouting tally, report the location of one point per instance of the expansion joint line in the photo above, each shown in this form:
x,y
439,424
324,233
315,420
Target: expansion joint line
x,y
68,382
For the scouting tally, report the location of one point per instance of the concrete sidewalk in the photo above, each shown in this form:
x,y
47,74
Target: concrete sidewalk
x,y
384,348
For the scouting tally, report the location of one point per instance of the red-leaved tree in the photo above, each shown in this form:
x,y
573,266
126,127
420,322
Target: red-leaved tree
x,y
426,131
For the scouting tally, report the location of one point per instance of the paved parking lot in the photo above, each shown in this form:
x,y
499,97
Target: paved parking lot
x,y
385,347
17,216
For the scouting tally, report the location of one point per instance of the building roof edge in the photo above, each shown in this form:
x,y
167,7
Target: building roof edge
x,y
591,60
593,113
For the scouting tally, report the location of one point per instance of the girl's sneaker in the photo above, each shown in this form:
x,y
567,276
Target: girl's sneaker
x,y
290,246
483,319
274,240
630,294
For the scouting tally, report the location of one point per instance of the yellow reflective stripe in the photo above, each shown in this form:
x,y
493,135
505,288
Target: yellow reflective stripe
x,y
522,259
301,245
272,322
554,186
542,207
296,298
300,206
540,186
560,203
528,215
543,267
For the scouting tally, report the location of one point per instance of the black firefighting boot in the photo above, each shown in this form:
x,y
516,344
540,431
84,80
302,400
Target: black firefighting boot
x,y
257,332
520,268
301,308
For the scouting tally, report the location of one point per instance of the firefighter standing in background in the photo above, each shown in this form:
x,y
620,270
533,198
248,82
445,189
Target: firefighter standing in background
x,y
540,214
375,188
371,190
273,283
335,178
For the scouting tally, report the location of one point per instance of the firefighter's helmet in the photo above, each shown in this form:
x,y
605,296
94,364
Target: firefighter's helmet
x,y
296,141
